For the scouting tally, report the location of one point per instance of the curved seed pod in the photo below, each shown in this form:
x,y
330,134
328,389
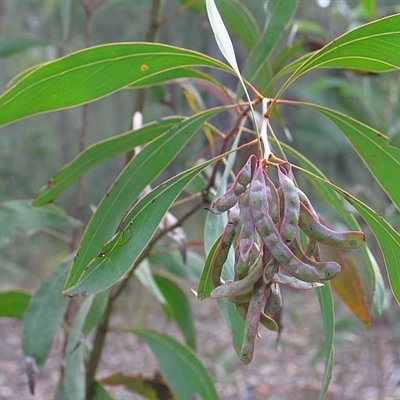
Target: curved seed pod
x,y
268,322
234,288
224,202
269,271
242,266
256,305
274,300
290,218
242,298
282,254
223,249
244,175
295,283
327,269
274,203
258,193
307,203
247,229
348,240
312,248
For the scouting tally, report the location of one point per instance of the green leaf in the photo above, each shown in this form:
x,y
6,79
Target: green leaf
x,y
240,22
369,7
73,385
151,388
45,314
205,285
178,307
140,172
325,300
100,152
279,15
93,73
13,304
9,47
20,215
182,370
116,258
369,47
372,146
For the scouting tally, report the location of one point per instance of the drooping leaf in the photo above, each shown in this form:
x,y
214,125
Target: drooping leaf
x,y
118,255
45,314
349,285
14,303
367,48
372,146
152,388
74,79
178,307
100,152
126,189
182,370
20,215
325,300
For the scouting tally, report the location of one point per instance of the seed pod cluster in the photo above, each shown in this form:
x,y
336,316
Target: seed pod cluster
x,y
264,228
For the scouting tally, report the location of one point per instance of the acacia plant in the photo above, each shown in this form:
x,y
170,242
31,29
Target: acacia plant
x,y
261,230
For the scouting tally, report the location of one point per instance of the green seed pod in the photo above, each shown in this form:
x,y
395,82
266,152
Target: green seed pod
x,y
234,288
290,218
274,300
254,310
247,229
258,193
274,203
222,252
244,175
278,249
327,269
242,266
224,202
268,322
295,283
349,240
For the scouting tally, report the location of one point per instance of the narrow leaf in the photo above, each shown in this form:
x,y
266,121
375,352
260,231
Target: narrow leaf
x,y
128,186
74,79
184,373
13,304
45,314
372,146
240,22
279,14
146,278
178,305
98,153
99,393
119,254
366,48
325,300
